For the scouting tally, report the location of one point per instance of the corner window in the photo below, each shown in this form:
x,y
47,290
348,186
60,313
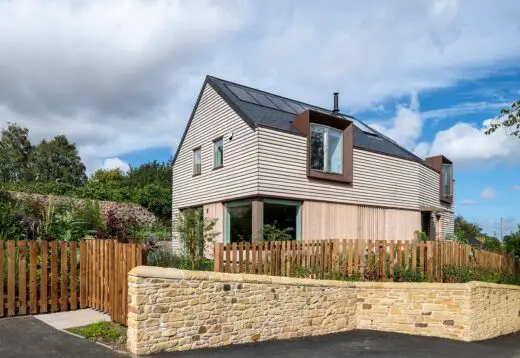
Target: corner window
x,y
326,149
196,161
218,153
447,179
239,221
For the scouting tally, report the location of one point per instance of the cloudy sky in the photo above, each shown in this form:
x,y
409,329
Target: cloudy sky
x,y
119,78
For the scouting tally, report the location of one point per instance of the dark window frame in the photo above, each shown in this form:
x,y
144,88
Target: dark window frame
x,y
437,163
194,172
219,139
303,122
327,152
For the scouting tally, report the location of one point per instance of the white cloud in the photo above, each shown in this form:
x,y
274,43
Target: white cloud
x,y
466,144
488,193
406,126
114,163
126,82
516,187
467,202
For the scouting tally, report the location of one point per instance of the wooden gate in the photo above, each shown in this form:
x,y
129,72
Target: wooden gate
x,y
50,276
103,275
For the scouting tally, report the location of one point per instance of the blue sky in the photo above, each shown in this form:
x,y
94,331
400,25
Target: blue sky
x,y
428,73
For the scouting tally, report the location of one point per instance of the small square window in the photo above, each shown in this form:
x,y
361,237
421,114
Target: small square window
x,y
196,162
218,153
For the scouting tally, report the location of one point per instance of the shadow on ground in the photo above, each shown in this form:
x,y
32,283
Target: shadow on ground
x,y
367,344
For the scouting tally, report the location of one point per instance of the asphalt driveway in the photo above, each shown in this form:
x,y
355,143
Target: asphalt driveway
x,y
367,344
29,337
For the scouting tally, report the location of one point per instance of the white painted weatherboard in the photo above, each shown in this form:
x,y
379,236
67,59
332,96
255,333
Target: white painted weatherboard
x,y
239,175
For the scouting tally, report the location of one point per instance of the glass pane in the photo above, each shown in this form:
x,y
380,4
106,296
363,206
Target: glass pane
x,y
242,94
299,109
262,99
240,222
218,153
447,178
362,126
281,104
282,217
196,162
335,151
318,147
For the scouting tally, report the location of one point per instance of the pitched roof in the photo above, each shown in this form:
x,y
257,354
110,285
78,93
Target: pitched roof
x,y
260,108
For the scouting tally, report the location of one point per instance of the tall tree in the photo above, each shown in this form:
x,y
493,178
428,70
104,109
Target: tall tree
x,y
512,243
15,150
151,173
57,160
509,119
465,229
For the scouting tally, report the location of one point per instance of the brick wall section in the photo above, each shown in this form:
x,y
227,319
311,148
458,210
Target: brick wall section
x,y
172,309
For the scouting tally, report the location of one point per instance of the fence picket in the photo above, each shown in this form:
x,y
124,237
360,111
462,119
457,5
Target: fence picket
x,y
32,277
11,276
44,261
64,272
73,276
22,278
2,278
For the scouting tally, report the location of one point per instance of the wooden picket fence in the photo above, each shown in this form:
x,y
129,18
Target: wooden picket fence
x,y
40,277
372,260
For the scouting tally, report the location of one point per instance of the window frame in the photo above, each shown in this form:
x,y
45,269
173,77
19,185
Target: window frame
x,y
215,141
327,161
449,194
302,124
235,203
194,151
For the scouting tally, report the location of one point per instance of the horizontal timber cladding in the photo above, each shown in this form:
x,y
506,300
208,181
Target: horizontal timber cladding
x,y
323,221
212,119
378,180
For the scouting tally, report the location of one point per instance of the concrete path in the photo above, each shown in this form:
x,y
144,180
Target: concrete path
x,y
366,344
30,337
70,319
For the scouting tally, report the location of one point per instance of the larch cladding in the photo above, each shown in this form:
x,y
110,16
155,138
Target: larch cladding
x,y
171,310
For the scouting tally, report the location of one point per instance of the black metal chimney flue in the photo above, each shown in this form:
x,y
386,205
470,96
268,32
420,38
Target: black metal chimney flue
x,y
336,102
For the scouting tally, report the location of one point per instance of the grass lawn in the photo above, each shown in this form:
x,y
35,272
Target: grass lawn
x,y
109,333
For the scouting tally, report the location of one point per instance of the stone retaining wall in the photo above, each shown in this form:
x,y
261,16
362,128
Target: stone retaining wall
x,y
172,309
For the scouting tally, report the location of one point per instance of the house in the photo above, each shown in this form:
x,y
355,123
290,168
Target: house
x,y
249,158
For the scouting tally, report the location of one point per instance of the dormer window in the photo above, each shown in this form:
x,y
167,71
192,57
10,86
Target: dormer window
x,y
447,180
329,145
326,149
444,167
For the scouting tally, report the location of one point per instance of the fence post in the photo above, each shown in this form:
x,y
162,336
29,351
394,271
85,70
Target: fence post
x,y
217,255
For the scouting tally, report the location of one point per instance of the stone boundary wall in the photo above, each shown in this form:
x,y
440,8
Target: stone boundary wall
x,y
171,309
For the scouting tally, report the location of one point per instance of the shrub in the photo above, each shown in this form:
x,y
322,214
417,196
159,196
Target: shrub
x,y
460,274
166,258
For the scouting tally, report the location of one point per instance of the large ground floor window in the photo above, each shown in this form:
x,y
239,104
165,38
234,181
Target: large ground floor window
x,y
252,220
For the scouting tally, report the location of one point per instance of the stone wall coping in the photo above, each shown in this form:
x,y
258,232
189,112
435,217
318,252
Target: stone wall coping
x,y
187,275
